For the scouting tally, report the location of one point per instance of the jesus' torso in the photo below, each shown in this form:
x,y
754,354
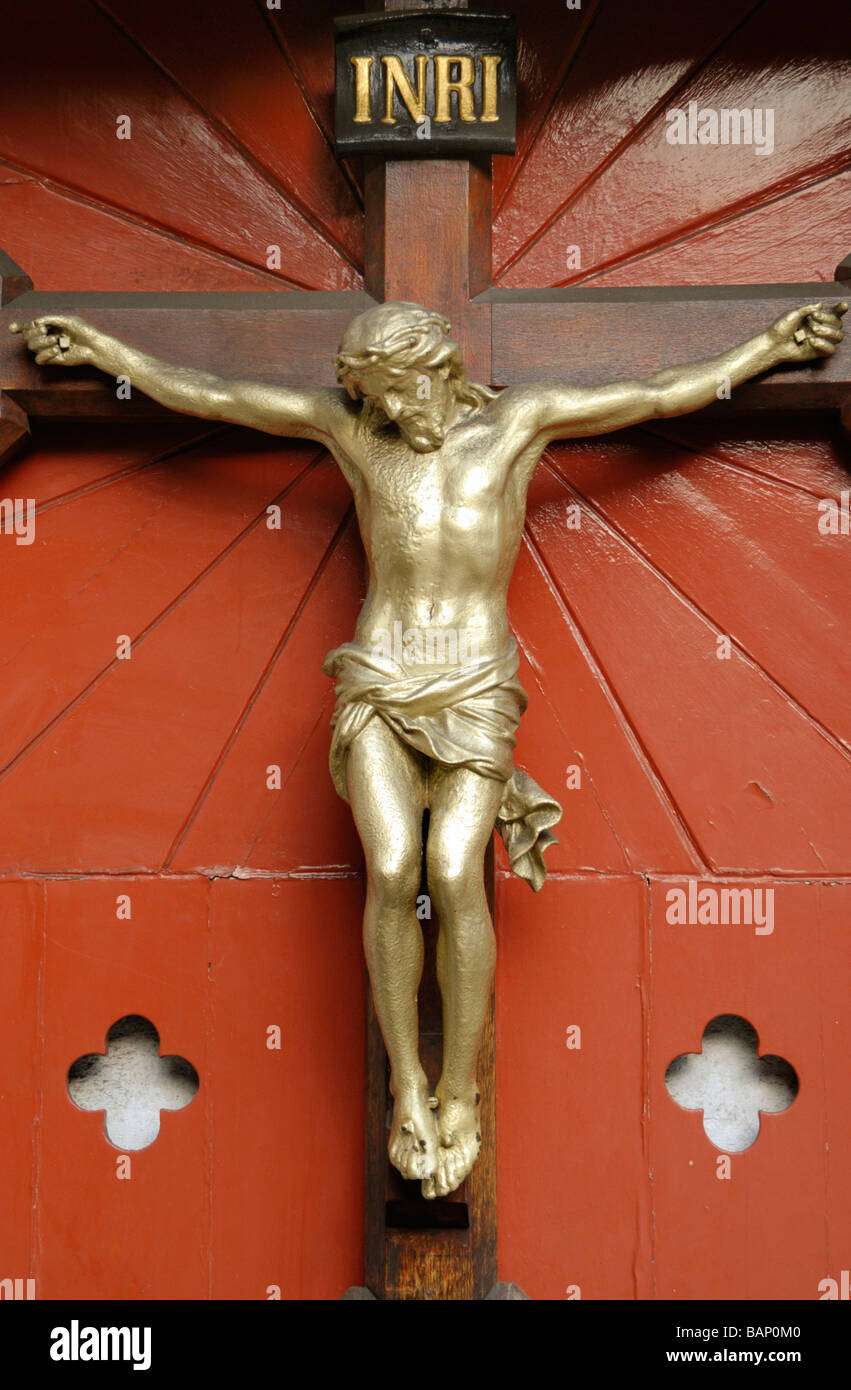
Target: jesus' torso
x,y
441,532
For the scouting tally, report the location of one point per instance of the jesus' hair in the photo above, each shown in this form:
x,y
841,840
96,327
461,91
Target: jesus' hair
x,y
398,337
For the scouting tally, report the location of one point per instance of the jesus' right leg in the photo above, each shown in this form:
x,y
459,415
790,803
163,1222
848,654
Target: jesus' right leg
x,y
387,791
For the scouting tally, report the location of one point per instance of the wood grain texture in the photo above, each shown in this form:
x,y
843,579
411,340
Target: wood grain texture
x,y
590,337
288,339
573,335
227,61
608,180
177,170
428,238
104,248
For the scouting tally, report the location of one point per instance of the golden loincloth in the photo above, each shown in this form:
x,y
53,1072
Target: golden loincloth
x,y
463,718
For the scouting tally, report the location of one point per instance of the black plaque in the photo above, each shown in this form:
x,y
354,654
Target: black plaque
x,y
449,76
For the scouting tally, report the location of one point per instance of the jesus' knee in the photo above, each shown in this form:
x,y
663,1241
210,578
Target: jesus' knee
x,y
455,879
393,875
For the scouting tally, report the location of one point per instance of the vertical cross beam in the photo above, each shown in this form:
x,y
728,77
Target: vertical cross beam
x,y
428,238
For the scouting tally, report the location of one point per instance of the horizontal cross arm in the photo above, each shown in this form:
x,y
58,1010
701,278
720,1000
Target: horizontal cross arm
x,y
288,338
588,337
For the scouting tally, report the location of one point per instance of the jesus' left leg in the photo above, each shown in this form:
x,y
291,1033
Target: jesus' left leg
x,y
463,807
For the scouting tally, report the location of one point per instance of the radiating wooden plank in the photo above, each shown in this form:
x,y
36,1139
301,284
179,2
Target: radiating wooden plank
x,y
305,34
66,460
716,534
71,243
176,169
685,186
796,237
134,718
796,450
230,65
618,819
599,110
304,827
543,67
111,562
758,784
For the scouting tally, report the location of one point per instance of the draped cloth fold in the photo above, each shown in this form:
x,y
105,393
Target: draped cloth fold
x,y
462,718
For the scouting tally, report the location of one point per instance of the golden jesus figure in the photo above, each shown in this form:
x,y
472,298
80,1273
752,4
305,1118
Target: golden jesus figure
x,y
428,698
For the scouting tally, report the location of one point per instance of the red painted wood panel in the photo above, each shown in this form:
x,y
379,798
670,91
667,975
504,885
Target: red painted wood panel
x,y
780,1224
602,109
104,249
287,1163
221,610
613,138
177,169
237,820
543,67
758,784
620,816
148,777
716,531
572,1137
226,60
795,452
97,1233
22,912
72,461
776,241
226,1201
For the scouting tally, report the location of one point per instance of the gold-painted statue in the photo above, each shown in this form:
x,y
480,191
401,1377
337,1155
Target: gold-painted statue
x,y
427,692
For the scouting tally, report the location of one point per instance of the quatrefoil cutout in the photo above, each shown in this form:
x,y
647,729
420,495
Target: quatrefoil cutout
x,y
132,1083
731,1083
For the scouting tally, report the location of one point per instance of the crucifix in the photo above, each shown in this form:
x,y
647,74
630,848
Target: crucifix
x,y
428,699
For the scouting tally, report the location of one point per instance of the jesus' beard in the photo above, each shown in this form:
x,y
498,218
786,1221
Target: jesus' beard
x,y
422,438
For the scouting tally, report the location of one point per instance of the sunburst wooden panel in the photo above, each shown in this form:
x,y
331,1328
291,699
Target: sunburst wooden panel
x,y
691,531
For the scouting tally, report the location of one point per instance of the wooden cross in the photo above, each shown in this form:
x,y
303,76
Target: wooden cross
x,y
428,238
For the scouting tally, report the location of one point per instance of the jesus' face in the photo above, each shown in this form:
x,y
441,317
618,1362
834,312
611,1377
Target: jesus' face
x,y
419,400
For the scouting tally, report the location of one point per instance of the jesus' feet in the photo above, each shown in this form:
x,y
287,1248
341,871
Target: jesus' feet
x,y
460,1142
413,1135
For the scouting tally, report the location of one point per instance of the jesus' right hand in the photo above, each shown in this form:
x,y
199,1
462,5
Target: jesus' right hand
x,y
60,340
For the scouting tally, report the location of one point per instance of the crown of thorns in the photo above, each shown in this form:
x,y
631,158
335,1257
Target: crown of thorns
x,y
425,342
